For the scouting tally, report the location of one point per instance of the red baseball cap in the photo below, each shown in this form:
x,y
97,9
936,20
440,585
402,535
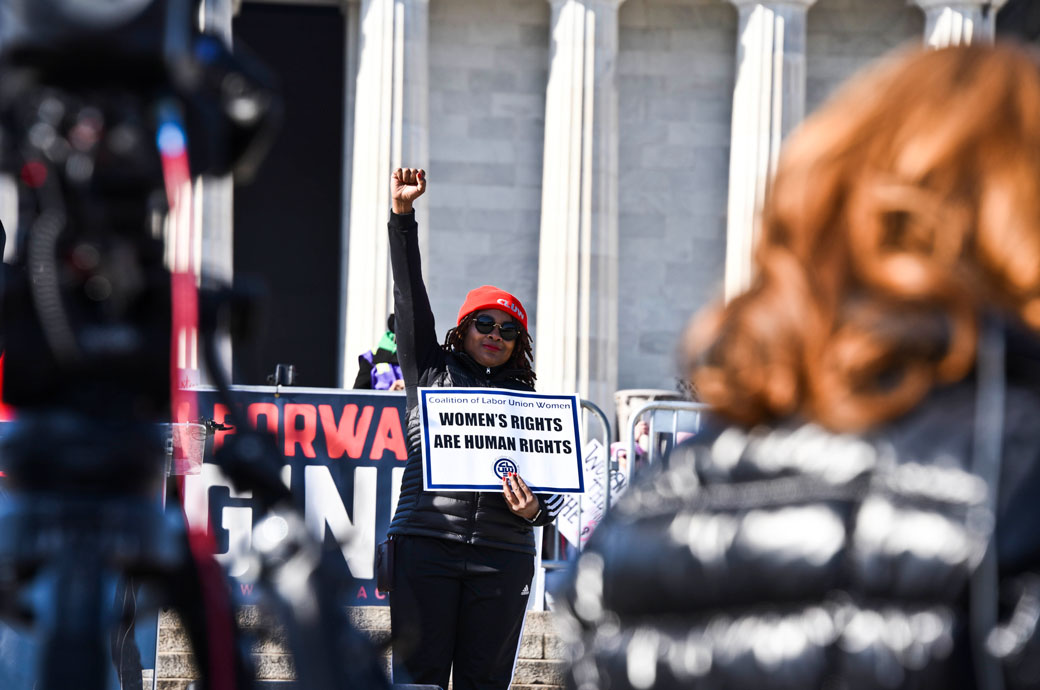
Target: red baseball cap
x,y
490,297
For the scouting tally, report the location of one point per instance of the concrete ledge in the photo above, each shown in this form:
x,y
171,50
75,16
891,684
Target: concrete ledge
x,y
259,685
538,672
540,664
540,623
369,617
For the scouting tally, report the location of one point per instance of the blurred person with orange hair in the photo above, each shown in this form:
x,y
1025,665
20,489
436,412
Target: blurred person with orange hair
x,y
863,511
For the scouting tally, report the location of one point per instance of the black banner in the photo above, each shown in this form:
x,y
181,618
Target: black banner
x,y
344,456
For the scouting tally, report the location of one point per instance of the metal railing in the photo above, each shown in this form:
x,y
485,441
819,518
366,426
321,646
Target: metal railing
x,y
659,447
553,543
685,417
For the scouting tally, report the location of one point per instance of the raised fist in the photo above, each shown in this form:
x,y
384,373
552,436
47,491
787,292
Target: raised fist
x,y
406,185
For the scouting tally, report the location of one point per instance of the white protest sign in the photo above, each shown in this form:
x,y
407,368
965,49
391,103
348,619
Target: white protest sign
x,y
472,437
586,509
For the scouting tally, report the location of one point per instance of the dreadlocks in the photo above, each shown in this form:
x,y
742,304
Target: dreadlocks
x,y
521,359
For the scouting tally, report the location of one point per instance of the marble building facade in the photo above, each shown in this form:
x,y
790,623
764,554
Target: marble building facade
x,y
602,159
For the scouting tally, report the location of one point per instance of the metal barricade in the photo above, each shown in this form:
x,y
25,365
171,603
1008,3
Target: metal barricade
x,y
684,416
660,444
554,545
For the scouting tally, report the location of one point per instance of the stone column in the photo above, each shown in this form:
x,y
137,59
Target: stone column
x,y
958,22
768,101
213,197
351,39
391,130
577,319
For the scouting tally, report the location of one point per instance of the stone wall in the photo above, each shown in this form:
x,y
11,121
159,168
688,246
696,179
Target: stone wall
x,y
676,70
675,75
539,666
675,92
843,36
488,70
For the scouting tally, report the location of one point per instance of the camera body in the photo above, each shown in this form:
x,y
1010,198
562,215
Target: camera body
x,y
87,87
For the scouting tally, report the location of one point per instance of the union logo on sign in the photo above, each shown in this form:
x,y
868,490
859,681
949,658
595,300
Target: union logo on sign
x,y
504,466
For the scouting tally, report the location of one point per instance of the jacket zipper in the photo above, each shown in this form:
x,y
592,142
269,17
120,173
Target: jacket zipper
x,y
473,518
476,495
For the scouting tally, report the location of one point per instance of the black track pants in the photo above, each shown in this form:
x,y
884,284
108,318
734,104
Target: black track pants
x,y
457,604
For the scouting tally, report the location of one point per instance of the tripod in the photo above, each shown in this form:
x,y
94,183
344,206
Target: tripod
x,y
77,526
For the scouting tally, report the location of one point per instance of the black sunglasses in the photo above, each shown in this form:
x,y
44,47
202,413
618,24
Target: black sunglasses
x,y
508,330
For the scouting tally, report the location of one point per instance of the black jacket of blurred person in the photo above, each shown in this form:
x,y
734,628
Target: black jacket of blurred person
x,y
824,531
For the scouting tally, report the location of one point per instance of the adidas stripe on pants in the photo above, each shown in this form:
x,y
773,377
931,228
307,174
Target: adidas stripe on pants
x,y
461,604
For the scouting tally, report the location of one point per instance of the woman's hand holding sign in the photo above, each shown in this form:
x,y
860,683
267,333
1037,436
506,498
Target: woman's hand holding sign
x,y
518,497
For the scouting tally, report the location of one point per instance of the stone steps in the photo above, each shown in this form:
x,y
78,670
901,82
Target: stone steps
x,y
539,665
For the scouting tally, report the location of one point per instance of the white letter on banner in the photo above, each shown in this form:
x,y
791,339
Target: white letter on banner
x,y
238,522
395,490
324,506
196,495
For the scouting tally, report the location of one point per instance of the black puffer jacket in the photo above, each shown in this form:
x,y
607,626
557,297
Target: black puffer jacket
x,y
793,557
480,518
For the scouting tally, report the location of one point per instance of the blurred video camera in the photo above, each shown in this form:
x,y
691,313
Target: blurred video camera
x,y
92,92
99,101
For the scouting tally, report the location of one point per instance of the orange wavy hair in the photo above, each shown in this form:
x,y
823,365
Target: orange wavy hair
x,y
904,208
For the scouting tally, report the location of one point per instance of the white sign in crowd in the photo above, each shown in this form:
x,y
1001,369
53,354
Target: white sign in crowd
x,y
580,514
473,437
